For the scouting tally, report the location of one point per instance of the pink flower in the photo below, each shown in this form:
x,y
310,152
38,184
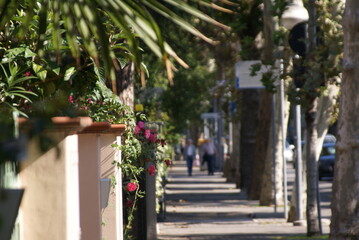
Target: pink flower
x,y
141,124
28,74
137,130
89,100
71,99
168,162
151,170
153,137
147,133
131,186
129,203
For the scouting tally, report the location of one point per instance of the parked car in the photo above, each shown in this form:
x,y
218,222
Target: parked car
x,y
326,161
330,138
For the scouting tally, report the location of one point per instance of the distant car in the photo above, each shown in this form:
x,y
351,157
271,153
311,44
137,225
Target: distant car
x,y
326,161
330,138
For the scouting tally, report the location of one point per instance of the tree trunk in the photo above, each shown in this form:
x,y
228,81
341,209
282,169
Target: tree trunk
x,y
125,85
233,162
311,128
312,171
345,205
326,105
265,109
266,195
249,123
263,135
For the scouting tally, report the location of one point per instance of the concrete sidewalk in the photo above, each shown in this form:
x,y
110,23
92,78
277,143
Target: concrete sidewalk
x,y
202,207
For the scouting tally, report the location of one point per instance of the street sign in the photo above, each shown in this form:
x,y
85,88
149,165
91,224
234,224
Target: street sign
x,y
210,115
243,78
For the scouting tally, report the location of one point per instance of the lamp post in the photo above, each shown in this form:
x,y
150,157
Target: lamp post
x,y
295,14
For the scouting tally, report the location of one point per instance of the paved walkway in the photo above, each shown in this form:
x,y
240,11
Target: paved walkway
x,y
202,207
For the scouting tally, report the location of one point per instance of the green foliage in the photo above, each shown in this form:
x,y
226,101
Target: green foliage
x,y
12,92
247,24
189,98
82,24
180,104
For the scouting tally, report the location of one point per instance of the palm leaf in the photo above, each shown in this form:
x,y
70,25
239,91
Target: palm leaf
x,y
20,80
83,21
180,4
164,11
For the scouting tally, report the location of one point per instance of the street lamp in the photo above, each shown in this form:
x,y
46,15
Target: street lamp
x,y
294,14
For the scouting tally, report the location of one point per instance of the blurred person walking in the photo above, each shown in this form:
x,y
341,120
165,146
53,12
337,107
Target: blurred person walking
x,y
189,156
209,155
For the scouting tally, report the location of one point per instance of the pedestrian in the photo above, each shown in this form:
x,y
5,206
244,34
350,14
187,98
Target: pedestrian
x,y
189,156
209,155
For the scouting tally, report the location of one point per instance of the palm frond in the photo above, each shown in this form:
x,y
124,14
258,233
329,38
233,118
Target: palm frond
x,y
84,25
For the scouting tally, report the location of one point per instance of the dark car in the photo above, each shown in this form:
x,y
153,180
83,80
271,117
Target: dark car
x,y
326,161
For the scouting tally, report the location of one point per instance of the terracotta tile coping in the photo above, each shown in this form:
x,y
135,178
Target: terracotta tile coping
x,y
83,125
104,128
80,122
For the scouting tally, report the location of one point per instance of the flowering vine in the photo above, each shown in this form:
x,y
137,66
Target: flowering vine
x,y
140,146
140,157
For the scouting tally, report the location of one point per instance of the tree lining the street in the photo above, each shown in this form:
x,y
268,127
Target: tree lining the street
x,y
345,186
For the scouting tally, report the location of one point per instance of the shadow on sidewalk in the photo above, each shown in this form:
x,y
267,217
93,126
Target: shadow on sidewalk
x,y
202,207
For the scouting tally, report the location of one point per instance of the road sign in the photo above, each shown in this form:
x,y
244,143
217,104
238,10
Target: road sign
x,y
211,115
243,78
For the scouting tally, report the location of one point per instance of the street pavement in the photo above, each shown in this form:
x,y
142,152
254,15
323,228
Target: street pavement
x,y
202,207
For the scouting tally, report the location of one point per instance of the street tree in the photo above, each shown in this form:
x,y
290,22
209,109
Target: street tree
x,y
249,26
345,186
322,71
265,114
315,78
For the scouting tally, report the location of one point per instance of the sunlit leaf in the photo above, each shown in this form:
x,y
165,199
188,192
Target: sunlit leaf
x,y
69,73
40,71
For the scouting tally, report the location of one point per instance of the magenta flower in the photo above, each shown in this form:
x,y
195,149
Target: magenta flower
x,y
71,99
153,137
131,186
141,124
151,170
137,130
147,133
168,162
28,74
